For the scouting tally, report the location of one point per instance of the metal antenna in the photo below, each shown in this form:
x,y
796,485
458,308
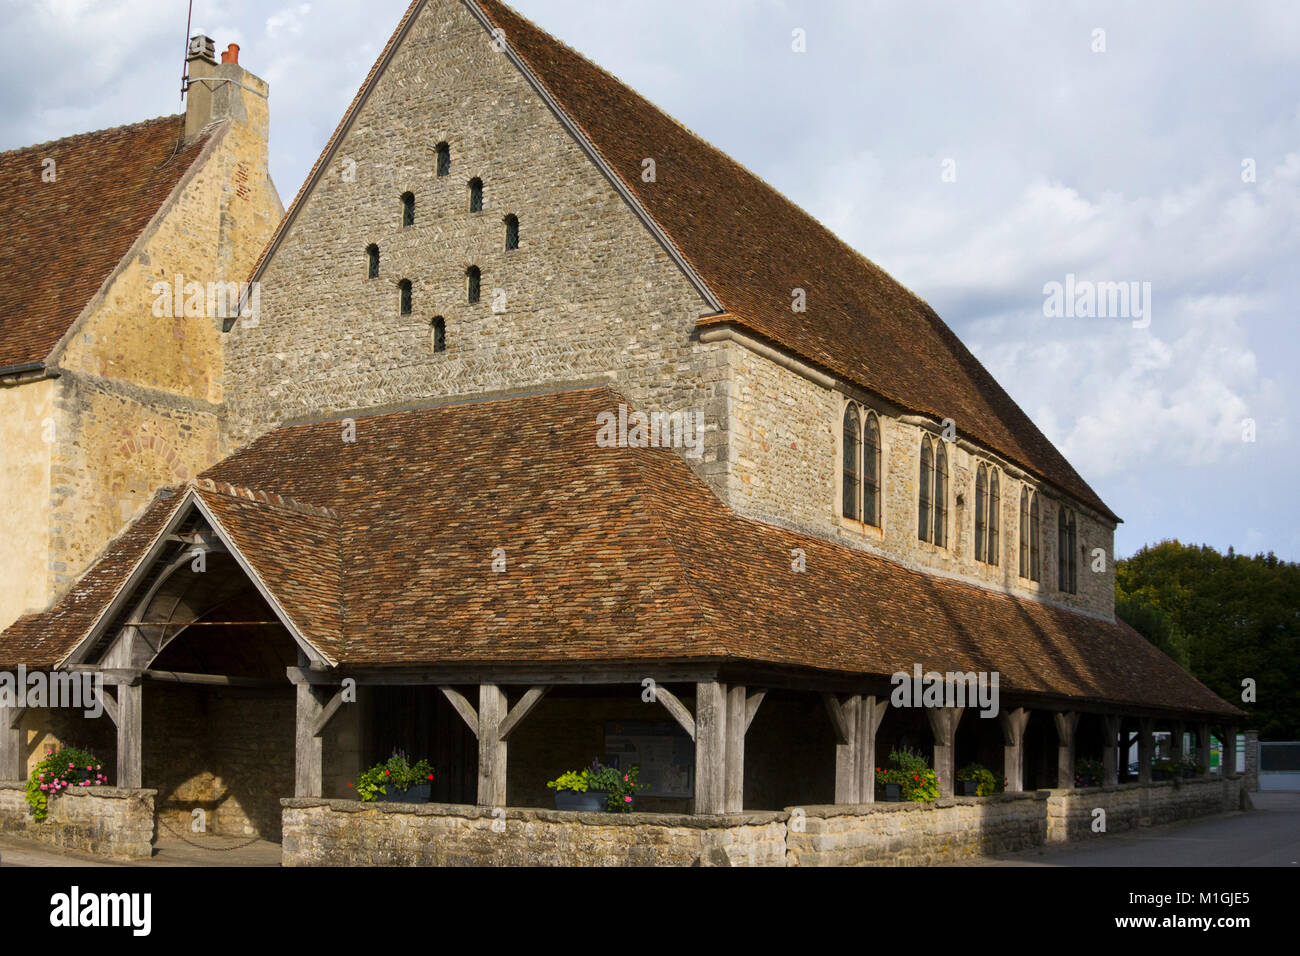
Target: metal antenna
x,y
185,61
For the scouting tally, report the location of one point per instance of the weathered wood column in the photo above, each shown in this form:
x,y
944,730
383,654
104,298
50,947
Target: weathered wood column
x,y
11,744
1146,748
1111,725
844,721
870,713
943,724
130,735
1203,748
1228,766
1066,724
710,747
309,748
1176,748
1013,748
491,746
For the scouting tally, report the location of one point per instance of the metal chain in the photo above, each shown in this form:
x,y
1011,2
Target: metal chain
x,y
184,839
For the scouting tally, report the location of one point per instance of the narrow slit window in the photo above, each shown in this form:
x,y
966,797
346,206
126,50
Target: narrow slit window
x,y
512,232
439,333
940,495
994,522
476,195
981,518
473,283
444,159
1024,534
372,261
408,209
404,296
925,506
851,477
1035,573
871,472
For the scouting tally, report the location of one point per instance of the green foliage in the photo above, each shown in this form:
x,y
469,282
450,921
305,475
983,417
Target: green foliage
x,y
69,767
619,786
988,781
1224,617
912,771
397,772
1088,773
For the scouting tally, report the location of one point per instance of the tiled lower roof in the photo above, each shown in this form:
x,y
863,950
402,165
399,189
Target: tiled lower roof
x,y
611,554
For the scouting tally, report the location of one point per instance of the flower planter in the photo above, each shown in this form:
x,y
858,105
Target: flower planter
x,y
416,793
968,788
892,793
592,801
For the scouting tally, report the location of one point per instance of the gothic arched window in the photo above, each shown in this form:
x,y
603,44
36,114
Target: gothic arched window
x,y
852,475
871,471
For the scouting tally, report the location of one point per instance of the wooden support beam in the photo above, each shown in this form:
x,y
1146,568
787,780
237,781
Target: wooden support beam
x,y
752,704
1066,724
110,706
327,714
839,721
943,725
532,697
11,744
308,746
1111,727
491,748
1203,747
462,707
734,787
130,739
1146,748
1013,747
676,708
1228,763
214,680
710,747
844,717
871,711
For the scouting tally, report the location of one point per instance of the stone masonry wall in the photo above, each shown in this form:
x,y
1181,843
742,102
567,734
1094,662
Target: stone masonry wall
x,y
786,454
105,821
348,833
26,421
589,295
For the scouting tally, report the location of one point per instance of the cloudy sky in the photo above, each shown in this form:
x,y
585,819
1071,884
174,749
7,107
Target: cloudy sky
x,y
978,151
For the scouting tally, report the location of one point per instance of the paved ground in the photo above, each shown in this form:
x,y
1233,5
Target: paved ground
x,y
1269,835
210,851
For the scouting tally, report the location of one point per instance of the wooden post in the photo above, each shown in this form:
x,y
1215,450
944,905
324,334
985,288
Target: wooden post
x,y
1228,765
734,799
1146,748
11,744
1203,748
1111,726
1177,746
710,747
130,714
491,748
844,720
870,713
943,724
1066,724
308,747
1013,748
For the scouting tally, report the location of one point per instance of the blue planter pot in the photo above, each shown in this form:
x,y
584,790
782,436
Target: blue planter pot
x,y
968,788
418,793
593,801
893,793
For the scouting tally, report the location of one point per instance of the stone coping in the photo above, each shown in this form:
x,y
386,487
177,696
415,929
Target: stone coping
x,y
105,793
539,814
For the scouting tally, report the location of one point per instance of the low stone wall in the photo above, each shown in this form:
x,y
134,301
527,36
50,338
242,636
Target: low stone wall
x,y
1071,813
103,820
915,834
346,832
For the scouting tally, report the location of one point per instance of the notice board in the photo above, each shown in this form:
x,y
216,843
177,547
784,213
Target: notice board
x,y
661,749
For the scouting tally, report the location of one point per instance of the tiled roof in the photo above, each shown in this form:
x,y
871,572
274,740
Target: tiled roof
x,y
64,238
610,555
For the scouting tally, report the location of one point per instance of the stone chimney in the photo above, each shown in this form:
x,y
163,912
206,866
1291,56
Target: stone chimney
x,y
225,91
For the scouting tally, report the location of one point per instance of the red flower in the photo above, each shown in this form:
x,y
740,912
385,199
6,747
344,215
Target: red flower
x,y
388,773
349,783
430,776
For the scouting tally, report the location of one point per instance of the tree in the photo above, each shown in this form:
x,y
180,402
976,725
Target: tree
x,y
1224,618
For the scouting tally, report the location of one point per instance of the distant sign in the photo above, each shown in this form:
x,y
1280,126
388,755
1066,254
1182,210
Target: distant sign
x,y
661,749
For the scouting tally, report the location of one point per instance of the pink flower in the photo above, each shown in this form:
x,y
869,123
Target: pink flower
x,y
627,799
70,767
625,778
